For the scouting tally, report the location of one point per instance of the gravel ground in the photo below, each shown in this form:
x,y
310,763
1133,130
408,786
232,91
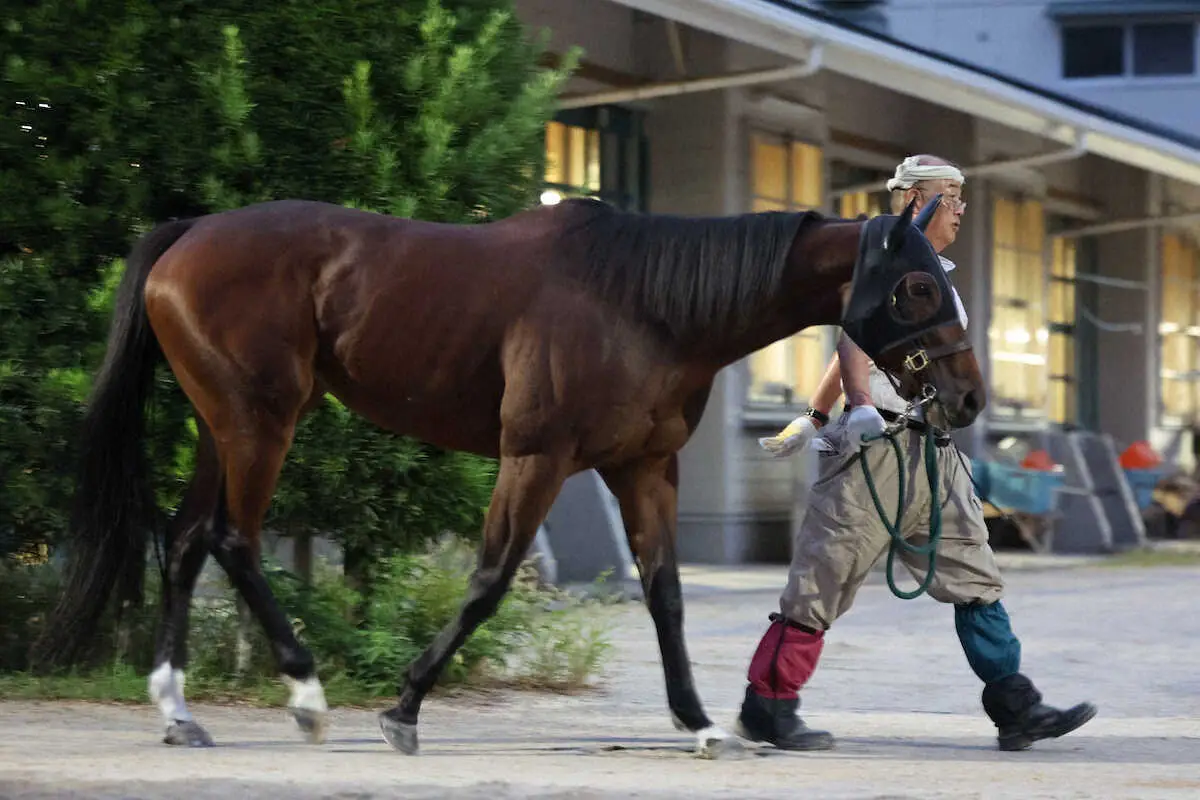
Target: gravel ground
x,y
893,686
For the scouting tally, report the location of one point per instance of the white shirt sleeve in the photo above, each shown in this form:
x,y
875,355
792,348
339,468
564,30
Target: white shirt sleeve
x,y
958,304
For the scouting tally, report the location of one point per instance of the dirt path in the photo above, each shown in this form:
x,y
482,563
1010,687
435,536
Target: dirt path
x,y
894,687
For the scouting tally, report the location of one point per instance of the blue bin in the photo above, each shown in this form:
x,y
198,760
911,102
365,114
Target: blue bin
x,y
1017,489
979,471
1142,482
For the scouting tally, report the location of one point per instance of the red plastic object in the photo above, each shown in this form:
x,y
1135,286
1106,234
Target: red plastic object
x,y
1039,460
1139,455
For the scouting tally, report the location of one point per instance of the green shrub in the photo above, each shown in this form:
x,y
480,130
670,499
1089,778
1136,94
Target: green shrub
x,y
27,592
432,109
540,638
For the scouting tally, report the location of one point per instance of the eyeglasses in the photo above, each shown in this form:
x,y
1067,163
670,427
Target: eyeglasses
x,y
955,204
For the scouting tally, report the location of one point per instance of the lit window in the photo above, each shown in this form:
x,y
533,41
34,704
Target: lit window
x,y
1018,336
596,152
788,176
572,161
851,205
1179,331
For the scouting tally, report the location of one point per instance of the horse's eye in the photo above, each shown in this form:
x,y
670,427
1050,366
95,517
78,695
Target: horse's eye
x,y
915,299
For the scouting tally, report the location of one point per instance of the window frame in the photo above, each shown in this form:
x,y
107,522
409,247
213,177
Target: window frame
x,y
759,404
1066,328
1127,25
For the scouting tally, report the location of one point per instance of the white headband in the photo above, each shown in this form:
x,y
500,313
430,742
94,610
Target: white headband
x,y
909,172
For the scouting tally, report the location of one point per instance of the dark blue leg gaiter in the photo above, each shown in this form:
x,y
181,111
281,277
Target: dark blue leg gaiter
x,y
992,649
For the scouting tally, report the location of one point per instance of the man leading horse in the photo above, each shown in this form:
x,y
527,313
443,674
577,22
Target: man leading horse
x,y
843,535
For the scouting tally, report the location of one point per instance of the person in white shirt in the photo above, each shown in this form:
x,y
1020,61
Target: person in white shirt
x,y
842,535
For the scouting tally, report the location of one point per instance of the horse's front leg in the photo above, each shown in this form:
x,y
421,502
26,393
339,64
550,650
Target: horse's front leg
x,y
525,489
647,492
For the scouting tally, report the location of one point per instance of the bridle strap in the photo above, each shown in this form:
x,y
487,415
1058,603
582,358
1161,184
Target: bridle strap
x,y
945,350
920,358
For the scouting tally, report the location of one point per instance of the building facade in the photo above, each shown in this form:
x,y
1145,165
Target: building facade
x,y
1078,257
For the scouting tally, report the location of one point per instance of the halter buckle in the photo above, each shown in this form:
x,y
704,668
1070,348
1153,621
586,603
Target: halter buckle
x,y
916,361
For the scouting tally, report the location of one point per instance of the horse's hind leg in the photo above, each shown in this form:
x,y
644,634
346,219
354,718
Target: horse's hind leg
x,y
250,378
525,489
252,462
185,551
647,493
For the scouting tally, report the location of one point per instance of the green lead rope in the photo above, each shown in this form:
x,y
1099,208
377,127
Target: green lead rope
x,y
895,529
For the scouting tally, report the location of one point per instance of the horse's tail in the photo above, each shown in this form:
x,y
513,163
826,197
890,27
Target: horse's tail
x,y
114,506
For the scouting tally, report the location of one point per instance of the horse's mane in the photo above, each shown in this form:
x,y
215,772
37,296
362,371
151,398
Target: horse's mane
x,y
693,275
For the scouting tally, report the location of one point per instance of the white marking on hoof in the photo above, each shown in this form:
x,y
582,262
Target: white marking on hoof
x,y
166,690
308,706
714,742
307,694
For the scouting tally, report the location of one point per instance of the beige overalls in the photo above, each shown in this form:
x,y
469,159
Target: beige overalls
x,y
842,536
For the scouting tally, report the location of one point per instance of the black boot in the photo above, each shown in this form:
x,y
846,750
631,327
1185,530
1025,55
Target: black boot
x,y
1016,706
776,722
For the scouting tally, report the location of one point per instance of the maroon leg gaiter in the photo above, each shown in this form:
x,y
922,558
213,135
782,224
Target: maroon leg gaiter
x,y
784,661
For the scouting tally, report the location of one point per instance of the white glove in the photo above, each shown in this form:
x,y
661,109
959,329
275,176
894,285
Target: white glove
x,y
796,435
863,421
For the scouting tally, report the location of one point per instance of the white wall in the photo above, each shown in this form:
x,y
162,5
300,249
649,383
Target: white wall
x,y
1017,38
1014,36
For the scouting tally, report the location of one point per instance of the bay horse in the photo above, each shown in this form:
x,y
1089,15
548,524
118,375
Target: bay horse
x,y
559,339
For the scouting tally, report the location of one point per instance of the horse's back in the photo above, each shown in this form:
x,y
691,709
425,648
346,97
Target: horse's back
x,y
404,320
448,333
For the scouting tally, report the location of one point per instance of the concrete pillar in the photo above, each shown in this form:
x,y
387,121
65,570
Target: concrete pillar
x,y
1124,377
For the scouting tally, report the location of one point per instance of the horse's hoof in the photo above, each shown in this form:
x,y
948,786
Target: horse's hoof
x,y
717,745
400,735
313,724
189,734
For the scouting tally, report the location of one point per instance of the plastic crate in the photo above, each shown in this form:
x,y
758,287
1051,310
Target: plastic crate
x,y
1016,489
1142,482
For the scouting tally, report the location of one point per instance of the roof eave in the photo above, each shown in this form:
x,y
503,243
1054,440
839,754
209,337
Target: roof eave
x,y
791,30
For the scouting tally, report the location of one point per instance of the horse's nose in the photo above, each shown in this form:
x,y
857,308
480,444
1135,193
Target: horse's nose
x,y
973,402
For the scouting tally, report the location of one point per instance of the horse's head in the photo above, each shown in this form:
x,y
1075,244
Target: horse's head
x,y
904,313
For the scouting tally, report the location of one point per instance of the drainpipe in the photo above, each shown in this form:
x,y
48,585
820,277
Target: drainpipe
x,y
1078,150
791,72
